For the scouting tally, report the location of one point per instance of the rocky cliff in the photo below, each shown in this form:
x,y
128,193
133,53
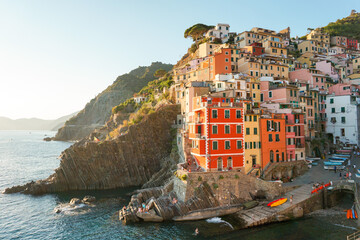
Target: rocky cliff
x,y
98,110
128,160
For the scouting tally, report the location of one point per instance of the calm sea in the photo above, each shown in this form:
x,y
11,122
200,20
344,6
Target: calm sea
x,y
25,157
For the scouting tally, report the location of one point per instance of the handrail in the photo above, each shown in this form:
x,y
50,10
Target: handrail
x,y
353,236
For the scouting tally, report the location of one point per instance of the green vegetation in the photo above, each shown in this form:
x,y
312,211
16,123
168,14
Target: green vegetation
x,y
159,73
237,176
221,177
215,186
199,178
183,177
231,40
197,31
217,41
348,27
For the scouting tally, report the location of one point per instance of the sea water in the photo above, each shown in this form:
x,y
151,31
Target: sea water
x,y
25,157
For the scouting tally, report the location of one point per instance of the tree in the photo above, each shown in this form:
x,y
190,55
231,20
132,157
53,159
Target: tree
x,y
159,73
197,31
231,40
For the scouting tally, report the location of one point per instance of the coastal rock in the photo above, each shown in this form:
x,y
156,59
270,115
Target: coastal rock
x,y
149,216
298,212
75,201
128,160
89,199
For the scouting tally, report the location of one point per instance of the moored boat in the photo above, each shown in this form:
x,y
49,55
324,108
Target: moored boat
x,y
279,202
269,204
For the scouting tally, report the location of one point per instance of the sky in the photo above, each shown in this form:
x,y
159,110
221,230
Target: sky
x,y
55,56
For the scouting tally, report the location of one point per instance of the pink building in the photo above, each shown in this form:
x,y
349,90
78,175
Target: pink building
x,y
278,91
327,67
342,89
313,77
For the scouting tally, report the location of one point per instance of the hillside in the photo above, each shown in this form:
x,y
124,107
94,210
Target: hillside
x,y
98,110
33,123
348,27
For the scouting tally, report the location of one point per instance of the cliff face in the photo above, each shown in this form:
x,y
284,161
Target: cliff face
x,y
129,160
98,110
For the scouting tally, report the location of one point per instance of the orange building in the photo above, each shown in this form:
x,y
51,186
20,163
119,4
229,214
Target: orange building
x,y
220,63
273,139
217,133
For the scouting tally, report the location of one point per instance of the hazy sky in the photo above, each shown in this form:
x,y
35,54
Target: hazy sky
x,y
55,56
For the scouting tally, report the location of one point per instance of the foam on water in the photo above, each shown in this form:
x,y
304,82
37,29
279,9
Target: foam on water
x,y
219,220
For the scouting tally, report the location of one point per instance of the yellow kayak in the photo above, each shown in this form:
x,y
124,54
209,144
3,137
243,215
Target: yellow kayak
x,y
277,203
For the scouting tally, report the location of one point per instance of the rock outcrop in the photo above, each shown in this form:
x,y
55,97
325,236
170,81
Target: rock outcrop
x,y
98,110
128,160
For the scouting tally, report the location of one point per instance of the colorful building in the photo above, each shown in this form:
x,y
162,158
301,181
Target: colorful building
x,y
217,133
252,142
273,139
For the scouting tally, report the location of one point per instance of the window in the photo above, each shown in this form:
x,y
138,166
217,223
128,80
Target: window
x,y
331,100
259,144
343,120
214,114
214,129
342,109
255,118
238,129
226,60
238,113
255,131
227,144
342,132
227,113
277,137
239,144
247,131
215,145
261,97
227,129
332,110
271,156
270,94
270,138
291,93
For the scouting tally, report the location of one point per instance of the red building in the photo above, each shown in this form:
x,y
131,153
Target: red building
x,y
217,133
352,43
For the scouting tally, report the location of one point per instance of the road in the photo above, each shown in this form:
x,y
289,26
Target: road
x,y
318,174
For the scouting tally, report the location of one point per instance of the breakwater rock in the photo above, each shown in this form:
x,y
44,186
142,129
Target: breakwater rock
x,y
128,160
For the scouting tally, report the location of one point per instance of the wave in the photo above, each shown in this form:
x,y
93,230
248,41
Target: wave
x,y
219,220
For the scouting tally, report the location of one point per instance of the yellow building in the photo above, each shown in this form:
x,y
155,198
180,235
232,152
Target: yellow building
x,y
252,143
273,45
356,65
253,90
320,36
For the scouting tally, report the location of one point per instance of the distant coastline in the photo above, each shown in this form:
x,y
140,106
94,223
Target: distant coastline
x,y
33,123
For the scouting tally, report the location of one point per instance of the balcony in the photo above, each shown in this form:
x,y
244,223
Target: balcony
x,y
311,127
300,145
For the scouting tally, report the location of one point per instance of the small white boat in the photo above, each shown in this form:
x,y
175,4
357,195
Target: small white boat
x,y
357,175
358,170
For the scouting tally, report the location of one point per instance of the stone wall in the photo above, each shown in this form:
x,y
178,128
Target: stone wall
x,y
229,187
285,170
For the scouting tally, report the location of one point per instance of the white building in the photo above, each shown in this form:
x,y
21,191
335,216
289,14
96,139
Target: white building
x,y
220,31
342,114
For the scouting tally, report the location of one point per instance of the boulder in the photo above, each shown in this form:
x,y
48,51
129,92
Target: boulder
x,y
149,216
75,201
89,199
298,212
